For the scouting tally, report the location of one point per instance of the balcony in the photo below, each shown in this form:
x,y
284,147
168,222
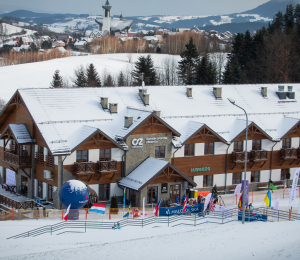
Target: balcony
x,y
21,161
258,156
107,166
84,168
49,161
238,157
289,154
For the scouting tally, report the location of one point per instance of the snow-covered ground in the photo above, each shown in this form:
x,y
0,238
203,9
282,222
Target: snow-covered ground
x,y
259,240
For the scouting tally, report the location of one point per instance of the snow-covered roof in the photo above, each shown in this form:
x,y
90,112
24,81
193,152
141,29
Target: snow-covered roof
x,y
145,172
66,117
117,25
20,133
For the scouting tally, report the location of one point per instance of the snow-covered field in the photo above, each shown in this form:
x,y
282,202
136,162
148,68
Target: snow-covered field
x,y
271,240
39,74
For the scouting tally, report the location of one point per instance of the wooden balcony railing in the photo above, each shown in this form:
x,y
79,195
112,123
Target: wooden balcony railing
x,y
239,157
288,153
107,166
39,158
49,160
258,155
19,204
84,168
17,160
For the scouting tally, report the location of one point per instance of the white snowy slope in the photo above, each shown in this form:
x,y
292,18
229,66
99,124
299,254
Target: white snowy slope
x,y
272,240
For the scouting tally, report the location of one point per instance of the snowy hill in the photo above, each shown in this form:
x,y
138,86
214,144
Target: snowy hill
x,y
11,29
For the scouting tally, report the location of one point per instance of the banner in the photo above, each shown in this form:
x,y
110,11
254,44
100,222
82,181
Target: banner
x,y
275,209
178,210
246,192
10,177
207,201
237,189
294,186
222,211
299,210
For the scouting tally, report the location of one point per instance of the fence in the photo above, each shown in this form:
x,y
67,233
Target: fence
x,y
260,214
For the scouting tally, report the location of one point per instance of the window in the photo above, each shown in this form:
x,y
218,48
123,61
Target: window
x,y
255,176
152,193
24,185
82,156
238,146
236,178
40,189
207,180
283,173
104,191
50,192
209,148
256,145
189,149
24,150
286,143
105,154
40,149
159,152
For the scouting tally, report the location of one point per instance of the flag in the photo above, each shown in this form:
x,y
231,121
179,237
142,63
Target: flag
x,y
127,214
275,209
267,199
184,205
67,213
143,207
98,208
211,207
207,200
241,200
272,186
294,186
155,211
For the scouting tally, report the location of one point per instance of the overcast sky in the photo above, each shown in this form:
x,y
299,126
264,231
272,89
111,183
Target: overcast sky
x,y
133,7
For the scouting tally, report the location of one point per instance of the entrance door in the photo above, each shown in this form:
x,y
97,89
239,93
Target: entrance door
x,y
175,191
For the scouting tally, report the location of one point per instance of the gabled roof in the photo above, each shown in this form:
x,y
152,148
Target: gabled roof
x,y
19,132
146,172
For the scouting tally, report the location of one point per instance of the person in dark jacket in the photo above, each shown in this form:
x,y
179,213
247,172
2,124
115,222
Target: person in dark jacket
x,y
287,176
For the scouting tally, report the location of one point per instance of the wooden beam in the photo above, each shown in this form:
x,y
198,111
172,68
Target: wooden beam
x,y
25,173
113,176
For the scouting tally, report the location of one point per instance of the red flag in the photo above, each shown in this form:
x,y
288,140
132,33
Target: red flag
x,y
155,211
67,213
184,205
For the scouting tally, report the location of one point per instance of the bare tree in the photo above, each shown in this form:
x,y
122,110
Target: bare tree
x,y
219,60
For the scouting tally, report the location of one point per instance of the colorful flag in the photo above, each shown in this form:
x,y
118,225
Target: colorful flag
x,y
276,209
98,208
267,199
272,186
155,211
294,186
241,200
211,207
184,205
67,213
127,214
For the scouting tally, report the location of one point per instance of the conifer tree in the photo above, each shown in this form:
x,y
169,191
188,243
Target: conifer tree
x,y
145,65
121,80
57,81
108,82
80,78
206,71
93,79
188,65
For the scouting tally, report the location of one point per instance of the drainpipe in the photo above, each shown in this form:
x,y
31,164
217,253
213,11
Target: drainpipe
x,y
61,180
272,160
174,154
123,160
226,167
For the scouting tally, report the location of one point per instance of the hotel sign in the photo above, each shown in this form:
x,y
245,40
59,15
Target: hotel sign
x,y
138,142
203,169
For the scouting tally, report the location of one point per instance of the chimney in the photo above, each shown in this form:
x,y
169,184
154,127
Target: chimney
x,y
128,121
142,91
280,93
144,96
217,92
146,99
104,102
113,107
290,94
264,91
157,112
189,92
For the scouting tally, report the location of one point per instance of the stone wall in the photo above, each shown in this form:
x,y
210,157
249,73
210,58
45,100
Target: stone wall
x,y
137,155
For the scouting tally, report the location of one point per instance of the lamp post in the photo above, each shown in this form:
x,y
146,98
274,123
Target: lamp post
x,y
233,103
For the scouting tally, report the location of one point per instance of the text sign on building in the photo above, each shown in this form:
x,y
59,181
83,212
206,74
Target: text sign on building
x,y
203,169
138,142
164,188
155,140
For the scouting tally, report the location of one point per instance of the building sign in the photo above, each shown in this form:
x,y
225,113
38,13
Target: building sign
x,y
203,169
178,210
138,142
164,188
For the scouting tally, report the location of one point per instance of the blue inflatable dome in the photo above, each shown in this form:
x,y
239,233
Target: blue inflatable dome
x,y
75,193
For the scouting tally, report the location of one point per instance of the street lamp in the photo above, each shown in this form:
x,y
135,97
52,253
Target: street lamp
x,y
233,103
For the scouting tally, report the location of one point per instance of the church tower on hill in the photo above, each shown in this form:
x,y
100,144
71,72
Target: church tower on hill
x,y
106,16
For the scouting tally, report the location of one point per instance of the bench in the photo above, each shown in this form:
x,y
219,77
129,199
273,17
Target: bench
x,y
262,186
232,188
220,189
4,186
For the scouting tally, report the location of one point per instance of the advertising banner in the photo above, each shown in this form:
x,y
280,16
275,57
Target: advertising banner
x,y
275,209
178,210
246,191
294,186
10,177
